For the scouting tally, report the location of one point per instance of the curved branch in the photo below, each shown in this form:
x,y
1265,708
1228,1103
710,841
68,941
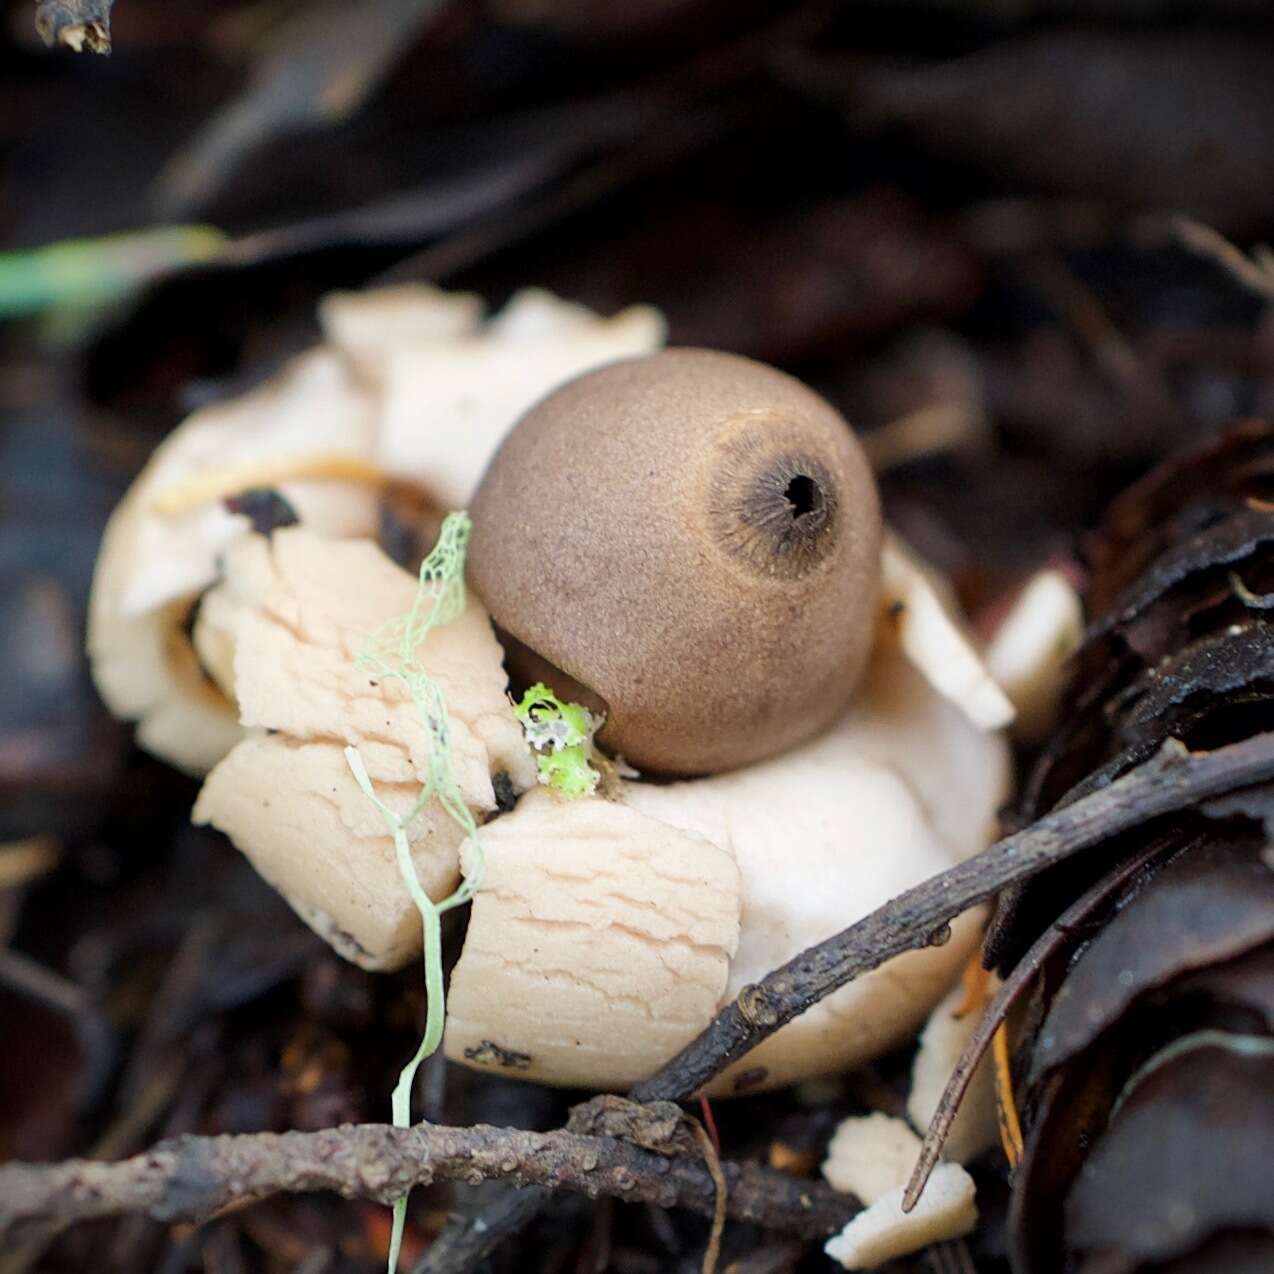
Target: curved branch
x,y
1172,780
994,1015
190,1178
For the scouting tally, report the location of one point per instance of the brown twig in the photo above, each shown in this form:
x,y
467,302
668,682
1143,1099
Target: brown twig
x,y
31,979
1255,272
712,1160
190,1178
121,1136
998,1010
75,24
317,72
468,1240
1079,307
1173,779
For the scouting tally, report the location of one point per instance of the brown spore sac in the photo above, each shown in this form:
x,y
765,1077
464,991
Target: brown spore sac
x,y
692,540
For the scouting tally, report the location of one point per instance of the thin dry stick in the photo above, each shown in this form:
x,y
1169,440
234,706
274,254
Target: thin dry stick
x,y
319,69
25,860
1172,780
75,24
190,1178
712,1161
1255,272
1081,309
1008,994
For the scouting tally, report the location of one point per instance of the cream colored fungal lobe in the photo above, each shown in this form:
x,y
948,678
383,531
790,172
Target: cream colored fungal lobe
x,y
324,432
941,1043
1029,654
152,565
298,610
922,610
473,388
946,1210
289,622
297,814
599,944
903,786
369,328
869,1155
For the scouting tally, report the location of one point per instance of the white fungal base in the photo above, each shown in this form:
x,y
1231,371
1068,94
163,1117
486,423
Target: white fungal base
x,y
598,946
870,1155
883,1231
903,787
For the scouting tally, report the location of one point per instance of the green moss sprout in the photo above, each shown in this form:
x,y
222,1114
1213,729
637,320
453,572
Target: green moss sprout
x,y
562,736
394,654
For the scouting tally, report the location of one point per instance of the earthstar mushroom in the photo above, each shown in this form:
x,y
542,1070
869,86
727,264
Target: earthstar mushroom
x,y
693,540
690,542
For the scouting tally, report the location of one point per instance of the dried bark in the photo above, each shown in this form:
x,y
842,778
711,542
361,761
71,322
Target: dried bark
x,y
75,24
190,1178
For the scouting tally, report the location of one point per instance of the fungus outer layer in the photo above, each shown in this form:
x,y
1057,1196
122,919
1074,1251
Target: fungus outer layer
x,y
695,539
902,786
883,1232
152,566
599,944
294,613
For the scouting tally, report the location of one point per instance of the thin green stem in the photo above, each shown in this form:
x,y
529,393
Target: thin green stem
x,y
435,1013
392,654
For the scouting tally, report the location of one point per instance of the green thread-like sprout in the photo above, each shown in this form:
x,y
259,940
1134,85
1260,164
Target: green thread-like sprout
x,y
393,654
562,736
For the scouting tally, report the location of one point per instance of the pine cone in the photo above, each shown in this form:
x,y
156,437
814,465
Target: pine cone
x,y
1144,1061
